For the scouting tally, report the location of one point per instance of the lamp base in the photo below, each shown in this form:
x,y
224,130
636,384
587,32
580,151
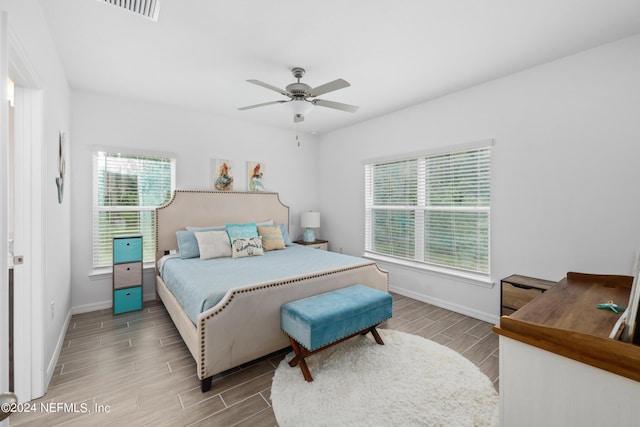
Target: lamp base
x,y
309,235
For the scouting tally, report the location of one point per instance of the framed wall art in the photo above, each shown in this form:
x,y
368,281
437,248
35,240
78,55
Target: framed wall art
x,y
255,176
222,175
62,164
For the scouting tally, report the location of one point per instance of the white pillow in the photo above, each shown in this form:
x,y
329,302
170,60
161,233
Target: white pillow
x,y
213,244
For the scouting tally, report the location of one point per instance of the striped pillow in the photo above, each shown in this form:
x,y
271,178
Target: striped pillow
x,y
271,238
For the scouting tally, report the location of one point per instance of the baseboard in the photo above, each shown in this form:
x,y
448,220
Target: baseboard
x,y
149,297
487,317
56,354
95,306
103,305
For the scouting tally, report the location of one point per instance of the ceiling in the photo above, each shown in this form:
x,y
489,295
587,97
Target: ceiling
x,y
396,54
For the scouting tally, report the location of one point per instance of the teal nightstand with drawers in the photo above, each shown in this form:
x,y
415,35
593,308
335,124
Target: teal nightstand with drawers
x,y
127,274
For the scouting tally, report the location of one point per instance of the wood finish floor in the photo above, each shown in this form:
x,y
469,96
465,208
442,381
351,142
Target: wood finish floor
x,y
136,366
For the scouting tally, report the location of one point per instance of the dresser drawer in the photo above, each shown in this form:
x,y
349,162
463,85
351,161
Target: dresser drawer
x,y
127,249
515,296
127,275
321,246
128,299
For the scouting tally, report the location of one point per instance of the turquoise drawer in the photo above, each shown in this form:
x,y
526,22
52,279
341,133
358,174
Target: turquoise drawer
x,y
127,249
128,299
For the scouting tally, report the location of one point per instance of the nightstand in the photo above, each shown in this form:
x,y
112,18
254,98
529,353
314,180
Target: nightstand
x,y
318,244
518,290
127,274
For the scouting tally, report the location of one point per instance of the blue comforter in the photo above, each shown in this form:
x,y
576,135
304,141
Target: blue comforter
x,y
201,284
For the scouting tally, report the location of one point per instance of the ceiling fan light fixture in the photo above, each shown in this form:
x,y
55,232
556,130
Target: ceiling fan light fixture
x,y
299,106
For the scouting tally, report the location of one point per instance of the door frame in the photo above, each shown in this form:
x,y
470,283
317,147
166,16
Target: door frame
x,y
29,372
4,152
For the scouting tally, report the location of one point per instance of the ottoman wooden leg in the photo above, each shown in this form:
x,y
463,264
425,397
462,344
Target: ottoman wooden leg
x,y
300,354
376,335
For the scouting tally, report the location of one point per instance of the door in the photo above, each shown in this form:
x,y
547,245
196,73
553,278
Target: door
x,y
10,227
27,233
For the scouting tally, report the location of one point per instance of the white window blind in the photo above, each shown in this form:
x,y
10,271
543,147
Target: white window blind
x,y
431,209
126,191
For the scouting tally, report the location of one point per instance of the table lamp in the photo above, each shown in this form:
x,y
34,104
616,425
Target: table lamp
x,y
310,220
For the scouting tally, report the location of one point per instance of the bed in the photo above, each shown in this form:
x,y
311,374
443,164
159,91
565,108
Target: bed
x,y
242,323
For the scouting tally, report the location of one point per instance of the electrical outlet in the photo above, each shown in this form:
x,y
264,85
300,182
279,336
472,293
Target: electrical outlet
x,y
53,309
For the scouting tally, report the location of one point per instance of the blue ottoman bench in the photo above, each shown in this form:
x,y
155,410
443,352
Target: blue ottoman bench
x,y
320,321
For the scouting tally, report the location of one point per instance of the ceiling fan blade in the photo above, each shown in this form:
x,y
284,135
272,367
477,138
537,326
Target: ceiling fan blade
x,y
329,87
261,105
268,86
297,118
335,105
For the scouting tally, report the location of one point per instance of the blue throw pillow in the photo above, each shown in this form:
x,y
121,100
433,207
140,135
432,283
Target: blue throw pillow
x,y
285,235
187,244
241,231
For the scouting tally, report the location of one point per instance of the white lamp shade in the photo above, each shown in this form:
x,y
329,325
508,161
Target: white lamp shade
x,y
299,107
310,220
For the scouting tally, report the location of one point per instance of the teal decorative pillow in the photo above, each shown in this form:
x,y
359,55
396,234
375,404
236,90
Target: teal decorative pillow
x,y
251,246
242,231
187,244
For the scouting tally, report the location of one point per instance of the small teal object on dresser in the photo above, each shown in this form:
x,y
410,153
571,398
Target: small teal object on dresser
x,y
319,321
127,274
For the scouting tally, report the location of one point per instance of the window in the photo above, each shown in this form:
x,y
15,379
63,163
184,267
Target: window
x,y
126,191
431,209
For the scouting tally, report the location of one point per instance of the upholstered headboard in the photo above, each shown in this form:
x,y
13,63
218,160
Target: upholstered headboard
x,y
213,208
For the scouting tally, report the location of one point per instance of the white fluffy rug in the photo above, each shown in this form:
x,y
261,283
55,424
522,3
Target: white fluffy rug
x,y
408,381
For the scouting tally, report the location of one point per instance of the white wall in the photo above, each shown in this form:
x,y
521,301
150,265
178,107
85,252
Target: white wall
x,y
196,138
564,171
27,23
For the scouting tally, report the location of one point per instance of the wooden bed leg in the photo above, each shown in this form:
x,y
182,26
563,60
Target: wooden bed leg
x,y
205,384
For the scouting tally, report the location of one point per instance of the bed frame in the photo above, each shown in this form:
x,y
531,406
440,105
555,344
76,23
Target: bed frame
x,y
245,324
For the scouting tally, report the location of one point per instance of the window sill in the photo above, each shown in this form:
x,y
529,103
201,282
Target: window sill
x,y
472,278
105,272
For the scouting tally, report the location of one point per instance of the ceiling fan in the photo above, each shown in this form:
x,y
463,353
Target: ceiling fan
x,y
302,97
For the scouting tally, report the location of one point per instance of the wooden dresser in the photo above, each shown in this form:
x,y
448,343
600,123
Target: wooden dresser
x,y
557,349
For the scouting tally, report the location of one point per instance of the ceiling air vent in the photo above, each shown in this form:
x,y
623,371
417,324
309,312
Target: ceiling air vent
x,y
147,8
